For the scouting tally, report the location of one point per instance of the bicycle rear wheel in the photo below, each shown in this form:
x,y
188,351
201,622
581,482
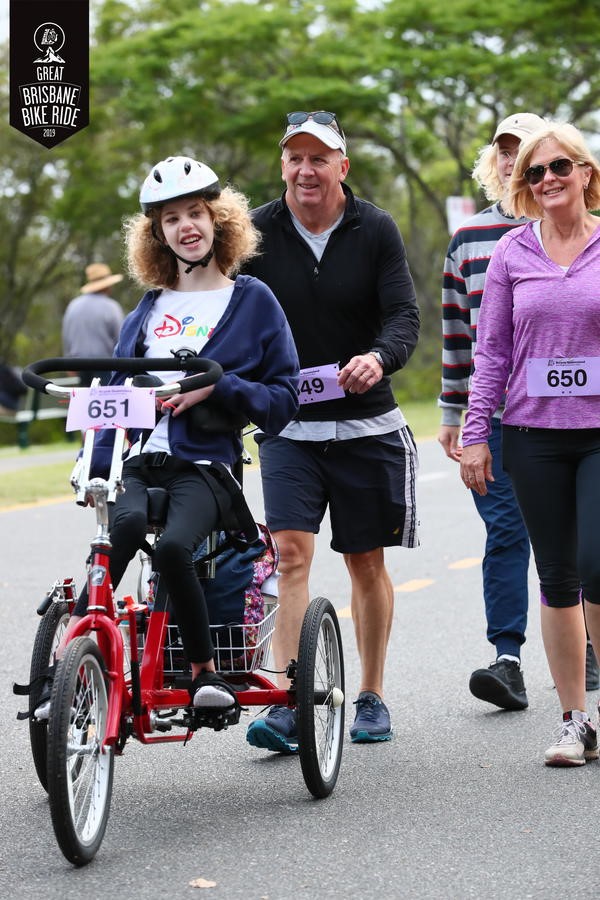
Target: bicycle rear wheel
x,y
320,698
80,769
50,630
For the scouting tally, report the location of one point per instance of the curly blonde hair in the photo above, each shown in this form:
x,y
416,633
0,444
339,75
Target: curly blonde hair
x,y
485,173
520,199
152,263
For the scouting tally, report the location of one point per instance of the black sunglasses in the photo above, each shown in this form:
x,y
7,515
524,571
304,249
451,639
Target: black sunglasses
x,y
320,116
561,167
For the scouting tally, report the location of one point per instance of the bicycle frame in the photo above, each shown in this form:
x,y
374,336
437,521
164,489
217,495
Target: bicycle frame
x,y
134,709
148,685
102,693
100,617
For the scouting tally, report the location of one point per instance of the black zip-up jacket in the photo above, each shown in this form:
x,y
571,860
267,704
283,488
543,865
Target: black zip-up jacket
x,y
359,297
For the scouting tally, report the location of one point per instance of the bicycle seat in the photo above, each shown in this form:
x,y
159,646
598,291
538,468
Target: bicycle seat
x,y
158,502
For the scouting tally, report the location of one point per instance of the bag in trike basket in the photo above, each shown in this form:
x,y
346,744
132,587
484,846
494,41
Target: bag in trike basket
x,y
241,601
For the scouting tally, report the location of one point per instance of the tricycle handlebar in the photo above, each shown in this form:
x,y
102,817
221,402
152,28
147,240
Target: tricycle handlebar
x,y
208,371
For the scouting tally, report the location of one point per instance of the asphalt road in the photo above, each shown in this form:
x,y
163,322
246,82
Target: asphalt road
x,y
457,805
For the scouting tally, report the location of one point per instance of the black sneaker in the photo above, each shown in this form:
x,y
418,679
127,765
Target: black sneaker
x,y
592,673
501,684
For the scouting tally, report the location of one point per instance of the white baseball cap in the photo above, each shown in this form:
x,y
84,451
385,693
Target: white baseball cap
x,y
521,125
329,134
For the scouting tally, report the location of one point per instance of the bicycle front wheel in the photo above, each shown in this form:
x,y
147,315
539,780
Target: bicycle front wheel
x,y
50,630
320,698
80,768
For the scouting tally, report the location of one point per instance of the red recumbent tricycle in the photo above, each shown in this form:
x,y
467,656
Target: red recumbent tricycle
x,y
122,674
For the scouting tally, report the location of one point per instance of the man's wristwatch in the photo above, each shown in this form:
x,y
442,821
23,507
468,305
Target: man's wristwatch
x,y
377,356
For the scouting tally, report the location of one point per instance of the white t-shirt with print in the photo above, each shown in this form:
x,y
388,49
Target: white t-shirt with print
x,y
178,320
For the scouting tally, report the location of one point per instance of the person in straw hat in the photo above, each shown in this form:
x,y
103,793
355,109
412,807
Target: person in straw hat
x,y
92,321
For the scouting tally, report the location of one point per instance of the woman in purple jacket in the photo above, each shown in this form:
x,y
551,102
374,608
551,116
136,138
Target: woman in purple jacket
x,y
539,330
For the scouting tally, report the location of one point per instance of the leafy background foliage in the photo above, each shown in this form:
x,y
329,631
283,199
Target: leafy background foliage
x,y
417,85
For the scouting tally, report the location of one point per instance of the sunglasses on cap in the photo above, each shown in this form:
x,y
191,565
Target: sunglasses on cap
x,y
321,117
561,167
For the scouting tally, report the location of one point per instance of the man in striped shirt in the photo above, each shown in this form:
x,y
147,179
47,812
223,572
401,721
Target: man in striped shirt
x,y
506,560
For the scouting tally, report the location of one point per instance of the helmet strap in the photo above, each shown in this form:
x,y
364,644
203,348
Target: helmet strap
x,y
189,263
199,262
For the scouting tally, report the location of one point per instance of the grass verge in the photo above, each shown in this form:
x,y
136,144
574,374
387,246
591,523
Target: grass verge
x,y
38,482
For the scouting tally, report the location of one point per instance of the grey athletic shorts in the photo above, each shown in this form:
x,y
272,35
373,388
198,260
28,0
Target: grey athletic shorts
x,y
368,483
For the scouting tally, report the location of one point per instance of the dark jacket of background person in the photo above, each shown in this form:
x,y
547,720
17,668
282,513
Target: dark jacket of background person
x,y
11,388
359,297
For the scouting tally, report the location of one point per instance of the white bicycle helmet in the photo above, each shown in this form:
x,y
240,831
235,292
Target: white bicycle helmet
x,y
177,177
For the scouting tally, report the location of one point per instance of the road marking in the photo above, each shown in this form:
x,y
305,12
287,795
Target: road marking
x,y
50,501
415,584
468,563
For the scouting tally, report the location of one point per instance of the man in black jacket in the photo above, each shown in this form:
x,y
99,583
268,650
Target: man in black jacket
x,y
338,267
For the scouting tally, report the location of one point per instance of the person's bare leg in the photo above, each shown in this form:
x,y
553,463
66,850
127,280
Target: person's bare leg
x,y
372,605
563,633
296,550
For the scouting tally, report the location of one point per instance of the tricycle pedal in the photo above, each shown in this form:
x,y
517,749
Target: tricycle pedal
x,y
217,719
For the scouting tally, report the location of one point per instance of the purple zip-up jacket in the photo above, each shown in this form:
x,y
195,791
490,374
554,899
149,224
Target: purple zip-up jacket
x,y
533,309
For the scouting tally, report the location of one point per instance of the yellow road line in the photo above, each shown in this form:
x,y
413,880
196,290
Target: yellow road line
x,y
415,584
466,563
49,501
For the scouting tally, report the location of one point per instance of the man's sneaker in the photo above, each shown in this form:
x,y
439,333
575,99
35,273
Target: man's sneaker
x,y
277,731
501,684
592,673
575,743
372,720
210,691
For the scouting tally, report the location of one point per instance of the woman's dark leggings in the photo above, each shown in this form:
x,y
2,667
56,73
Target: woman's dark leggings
x,y
556,477
193,513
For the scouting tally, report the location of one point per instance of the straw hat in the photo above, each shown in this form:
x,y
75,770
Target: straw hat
x,y
99,277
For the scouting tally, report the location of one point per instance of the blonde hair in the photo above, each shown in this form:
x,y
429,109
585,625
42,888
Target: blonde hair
x,y
520,198
152,263
485,173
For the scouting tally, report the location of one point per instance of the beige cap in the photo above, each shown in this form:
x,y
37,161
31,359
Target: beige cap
x,y
520,125
99,277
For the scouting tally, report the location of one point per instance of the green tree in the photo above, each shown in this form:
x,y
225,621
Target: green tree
x,y
418,86
447,73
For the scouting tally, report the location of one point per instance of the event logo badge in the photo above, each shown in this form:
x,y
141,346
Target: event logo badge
x,y
49,68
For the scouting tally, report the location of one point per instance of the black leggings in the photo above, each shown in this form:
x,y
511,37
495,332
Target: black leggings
x,y
556,477
193,513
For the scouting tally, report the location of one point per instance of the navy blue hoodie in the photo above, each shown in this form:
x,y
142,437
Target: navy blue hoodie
x,y
253,343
